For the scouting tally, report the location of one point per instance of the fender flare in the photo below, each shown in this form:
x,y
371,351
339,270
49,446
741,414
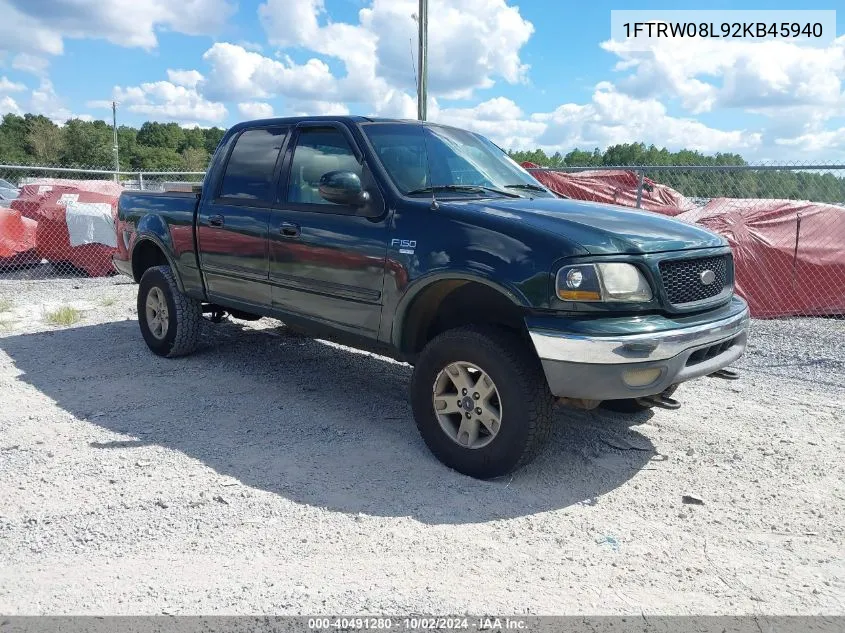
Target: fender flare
x,y
153,238
421,284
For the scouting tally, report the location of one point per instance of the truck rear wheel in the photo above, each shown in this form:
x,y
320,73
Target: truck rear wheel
x,y
170,321
481,401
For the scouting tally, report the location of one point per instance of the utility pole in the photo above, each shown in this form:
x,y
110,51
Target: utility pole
x,y
116,150
422,78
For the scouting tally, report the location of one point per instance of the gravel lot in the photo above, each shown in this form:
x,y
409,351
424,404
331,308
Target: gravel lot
x,y
270,473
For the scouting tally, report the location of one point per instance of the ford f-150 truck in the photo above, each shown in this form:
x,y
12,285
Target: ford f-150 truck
x,y
430,245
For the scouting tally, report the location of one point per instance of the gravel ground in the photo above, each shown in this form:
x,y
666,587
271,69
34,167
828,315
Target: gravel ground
x,y
269,473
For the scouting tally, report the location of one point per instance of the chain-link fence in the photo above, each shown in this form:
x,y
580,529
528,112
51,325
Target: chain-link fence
x,y
59,222
786,223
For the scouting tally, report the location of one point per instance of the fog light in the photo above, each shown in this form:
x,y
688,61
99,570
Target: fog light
x,y
641,377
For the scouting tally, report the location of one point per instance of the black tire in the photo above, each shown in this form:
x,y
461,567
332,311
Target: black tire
x,y
629,405
182,333
510,362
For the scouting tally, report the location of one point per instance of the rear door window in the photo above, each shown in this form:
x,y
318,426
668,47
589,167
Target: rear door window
x,y
251,168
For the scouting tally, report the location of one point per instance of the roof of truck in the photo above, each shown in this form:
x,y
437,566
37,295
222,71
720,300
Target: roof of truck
x,y
293,120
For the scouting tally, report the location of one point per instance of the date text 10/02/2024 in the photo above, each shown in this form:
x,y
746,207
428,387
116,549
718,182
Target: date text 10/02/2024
x,y
417,623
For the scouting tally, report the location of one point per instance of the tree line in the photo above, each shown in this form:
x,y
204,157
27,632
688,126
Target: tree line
x,y
35,140
794,185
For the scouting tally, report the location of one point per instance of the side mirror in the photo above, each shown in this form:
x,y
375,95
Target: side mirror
x,y
343,187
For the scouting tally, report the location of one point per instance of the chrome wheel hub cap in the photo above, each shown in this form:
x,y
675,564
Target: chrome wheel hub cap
x,y
467,405
158,319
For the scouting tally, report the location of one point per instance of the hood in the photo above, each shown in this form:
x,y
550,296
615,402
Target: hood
x,y
601,229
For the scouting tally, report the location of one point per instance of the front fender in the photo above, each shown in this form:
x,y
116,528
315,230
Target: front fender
x,y
420,284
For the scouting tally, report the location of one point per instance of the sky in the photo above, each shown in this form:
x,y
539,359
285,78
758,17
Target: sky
x,y
526,73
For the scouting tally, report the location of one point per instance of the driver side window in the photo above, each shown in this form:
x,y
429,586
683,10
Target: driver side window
x,y
318,151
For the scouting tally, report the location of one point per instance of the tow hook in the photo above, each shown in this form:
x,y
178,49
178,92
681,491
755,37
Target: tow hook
x,y
659,400
726,374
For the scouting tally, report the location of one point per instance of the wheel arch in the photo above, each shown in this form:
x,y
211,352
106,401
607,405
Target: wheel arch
x,y
149,251
442,302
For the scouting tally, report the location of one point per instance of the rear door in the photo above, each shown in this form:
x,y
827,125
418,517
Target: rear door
x,y
326,260
232,227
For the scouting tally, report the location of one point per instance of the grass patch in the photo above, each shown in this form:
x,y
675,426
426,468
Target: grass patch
x,y
63,316
5,305
108,301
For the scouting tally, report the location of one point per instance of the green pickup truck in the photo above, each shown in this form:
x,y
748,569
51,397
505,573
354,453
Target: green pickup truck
x,y
428,244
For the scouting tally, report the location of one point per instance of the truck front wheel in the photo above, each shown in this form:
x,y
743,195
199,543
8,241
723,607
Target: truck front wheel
x,y
170,321
481,401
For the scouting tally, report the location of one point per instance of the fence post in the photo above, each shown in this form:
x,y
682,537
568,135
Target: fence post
x,y
141,180
640,174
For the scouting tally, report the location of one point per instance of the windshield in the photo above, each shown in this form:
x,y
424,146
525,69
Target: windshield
x,y
422,158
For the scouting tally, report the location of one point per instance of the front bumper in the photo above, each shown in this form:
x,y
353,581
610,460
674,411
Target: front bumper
x,y
598,359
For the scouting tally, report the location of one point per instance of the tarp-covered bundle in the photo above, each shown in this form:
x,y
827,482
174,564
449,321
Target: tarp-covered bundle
x,y
17,239
75,222
789,255
616,186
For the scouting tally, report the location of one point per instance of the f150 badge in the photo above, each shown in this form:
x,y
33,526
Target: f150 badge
x,y
406,247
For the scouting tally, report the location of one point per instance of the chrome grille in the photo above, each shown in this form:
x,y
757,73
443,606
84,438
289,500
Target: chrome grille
x,y
682,278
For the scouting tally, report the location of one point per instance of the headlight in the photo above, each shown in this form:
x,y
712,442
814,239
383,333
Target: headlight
x,y
602,282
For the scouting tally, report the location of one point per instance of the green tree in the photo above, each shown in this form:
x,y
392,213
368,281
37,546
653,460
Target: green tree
x,y
44,139
213,136
13,134
194,159
87,144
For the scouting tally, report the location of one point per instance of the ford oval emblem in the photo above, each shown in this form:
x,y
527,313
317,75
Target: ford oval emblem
x,y
707,277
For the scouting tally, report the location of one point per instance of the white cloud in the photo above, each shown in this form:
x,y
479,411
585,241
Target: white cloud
x,y
20,32
255,110
765,77
472,42
28,63
822,143
237,73
499,119
9,106
39,27
614,117
319,108
166,100
10,86
187,78
44,100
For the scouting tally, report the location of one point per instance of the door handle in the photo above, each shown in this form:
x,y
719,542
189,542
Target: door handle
x,y
289,229
216,220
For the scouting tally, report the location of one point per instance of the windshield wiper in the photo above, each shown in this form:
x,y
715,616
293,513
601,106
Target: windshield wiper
x,y
463,188
527,186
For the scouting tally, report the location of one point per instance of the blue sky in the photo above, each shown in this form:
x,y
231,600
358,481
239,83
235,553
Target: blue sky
x,y
527,73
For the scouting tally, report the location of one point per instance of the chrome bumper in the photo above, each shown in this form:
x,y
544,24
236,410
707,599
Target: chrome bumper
x,y
636,347
616,366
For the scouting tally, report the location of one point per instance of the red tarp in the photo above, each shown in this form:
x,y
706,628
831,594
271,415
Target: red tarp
x,y
45,202
17,238
613,187
788,254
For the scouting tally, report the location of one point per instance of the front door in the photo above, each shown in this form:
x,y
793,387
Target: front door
x,y
232,226
327,260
